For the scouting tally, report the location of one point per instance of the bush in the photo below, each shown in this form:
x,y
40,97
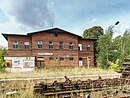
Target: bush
x,y
114,66
2,62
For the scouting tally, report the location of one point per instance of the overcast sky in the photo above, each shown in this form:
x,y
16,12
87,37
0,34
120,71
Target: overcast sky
x,y
24,16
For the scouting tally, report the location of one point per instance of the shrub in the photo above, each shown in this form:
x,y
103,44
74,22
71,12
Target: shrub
x,y
2,62
114,66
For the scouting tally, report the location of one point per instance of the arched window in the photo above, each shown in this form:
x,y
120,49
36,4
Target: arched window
x,y
71,46
88,47
26,44
51,58
61,58
15,45
71,58
50,45
39,44
61,45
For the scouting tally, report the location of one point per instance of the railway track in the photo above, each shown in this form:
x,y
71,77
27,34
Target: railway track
x,y
78,89
69,87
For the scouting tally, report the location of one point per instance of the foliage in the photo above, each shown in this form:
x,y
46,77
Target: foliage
x,y
114,66
103,48
93,32
110,50
2,62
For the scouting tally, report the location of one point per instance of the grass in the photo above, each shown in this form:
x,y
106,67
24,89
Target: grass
x,y
41,73
28,93
55,72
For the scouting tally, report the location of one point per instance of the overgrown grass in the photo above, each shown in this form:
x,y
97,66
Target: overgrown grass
x,y
28,93
55,72
43,73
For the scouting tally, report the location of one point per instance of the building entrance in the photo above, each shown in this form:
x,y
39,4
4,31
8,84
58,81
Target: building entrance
x,y
80,62
40,62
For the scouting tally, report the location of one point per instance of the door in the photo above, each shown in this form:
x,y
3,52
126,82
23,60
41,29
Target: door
x,y
40,62
80,62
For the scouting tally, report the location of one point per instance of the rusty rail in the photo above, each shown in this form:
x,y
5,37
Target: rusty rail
x,y
69,88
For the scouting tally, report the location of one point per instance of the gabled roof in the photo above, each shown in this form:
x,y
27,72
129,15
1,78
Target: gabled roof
x,y
55,30
58,30
6,35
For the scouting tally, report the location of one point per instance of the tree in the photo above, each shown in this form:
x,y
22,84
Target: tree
x,y
103,48
2,62
112,51
93,32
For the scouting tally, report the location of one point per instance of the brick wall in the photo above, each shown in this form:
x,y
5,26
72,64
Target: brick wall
x,y
84,53
45,37
21,51
50,36
57,53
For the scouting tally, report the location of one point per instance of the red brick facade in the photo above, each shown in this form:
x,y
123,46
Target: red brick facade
x,y
52,57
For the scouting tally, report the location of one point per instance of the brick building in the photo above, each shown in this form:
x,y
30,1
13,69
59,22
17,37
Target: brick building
x,y
52,47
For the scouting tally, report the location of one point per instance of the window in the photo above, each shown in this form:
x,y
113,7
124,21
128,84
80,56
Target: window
x,y
71,58
56,34
26,44
50,45
88,47
15,45
80,47
61,45
39,44
27,58
61,59
71,46
51,58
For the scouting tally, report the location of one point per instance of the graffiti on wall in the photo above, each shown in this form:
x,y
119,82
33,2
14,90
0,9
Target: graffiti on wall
x,y
28,63
16,63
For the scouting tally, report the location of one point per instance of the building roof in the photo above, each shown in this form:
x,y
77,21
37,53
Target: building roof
x,y
58,30
6,35
55,30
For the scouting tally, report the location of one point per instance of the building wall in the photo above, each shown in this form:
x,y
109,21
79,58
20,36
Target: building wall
x,y
57,53
20,62
45,53
21,51
50,36
87,54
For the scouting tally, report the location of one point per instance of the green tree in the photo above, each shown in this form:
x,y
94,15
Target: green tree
x,y
103,48
2,62
125,45
112,50
118,54
93,32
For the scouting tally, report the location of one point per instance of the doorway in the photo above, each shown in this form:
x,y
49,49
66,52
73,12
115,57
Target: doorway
x,y
40,62
80,62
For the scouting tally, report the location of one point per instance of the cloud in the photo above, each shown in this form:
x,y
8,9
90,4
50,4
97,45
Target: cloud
x,y
3,17
30,14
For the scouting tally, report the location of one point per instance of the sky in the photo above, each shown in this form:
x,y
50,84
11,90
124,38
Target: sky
x,y
25,16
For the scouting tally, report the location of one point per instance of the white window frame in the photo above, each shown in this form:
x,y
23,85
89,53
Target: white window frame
x,y
26,45
88,47
50,45
71,46
39,44
80,47
61,45
15,45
